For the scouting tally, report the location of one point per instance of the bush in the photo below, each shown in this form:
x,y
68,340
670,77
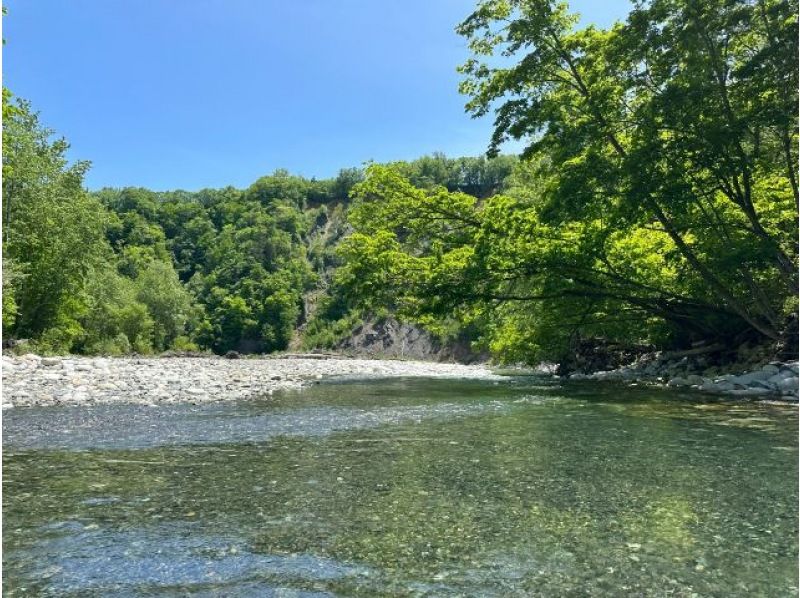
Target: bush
x,y
119,345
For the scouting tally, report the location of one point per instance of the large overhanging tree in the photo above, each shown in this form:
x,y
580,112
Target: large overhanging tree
x,y
683,119
661,178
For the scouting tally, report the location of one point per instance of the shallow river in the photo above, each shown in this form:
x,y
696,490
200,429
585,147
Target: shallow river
x,y
405,488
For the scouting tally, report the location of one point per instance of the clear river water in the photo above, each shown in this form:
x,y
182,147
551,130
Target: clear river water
x,y
405,488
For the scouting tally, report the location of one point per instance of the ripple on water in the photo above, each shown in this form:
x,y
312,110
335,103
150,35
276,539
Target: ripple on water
x,y
126,427
92,559
440,489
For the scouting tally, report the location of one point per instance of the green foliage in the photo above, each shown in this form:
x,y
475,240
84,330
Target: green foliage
x,y
78,277
332,322
656,201
666,144
123,270
479,177
9,304
240,259
168,303
115,321
657,198
52,229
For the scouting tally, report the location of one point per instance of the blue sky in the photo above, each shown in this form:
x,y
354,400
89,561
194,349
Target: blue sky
x,y
187,94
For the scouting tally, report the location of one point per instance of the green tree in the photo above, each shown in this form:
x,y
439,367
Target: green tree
x,y
168,303
677,129
53,231
114,322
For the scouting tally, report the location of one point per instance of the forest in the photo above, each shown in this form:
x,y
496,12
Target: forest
x,y
655,202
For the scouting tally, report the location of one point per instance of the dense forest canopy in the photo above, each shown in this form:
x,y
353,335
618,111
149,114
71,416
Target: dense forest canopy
x,y
656,202
133,270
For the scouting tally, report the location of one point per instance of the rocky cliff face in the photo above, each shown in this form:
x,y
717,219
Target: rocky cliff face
x,y
393,339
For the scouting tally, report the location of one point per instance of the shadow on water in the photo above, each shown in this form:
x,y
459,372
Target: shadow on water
x,y
409,487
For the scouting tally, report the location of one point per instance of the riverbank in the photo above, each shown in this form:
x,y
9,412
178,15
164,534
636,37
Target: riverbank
x,y
774,380
30,380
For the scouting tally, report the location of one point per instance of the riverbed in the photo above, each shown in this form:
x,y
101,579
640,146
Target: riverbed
x,y
406,487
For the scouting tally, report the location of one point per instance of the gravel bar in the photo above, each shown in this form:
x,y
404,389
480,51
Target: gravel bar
x,y
31,380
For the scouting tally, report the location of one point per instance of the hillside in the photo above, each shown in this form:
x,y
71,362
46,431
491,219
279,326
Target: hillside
x,y
248,270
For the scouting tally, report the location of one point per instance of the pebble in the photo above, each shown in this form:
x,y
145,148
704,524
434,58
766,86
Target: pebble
x,y
157,380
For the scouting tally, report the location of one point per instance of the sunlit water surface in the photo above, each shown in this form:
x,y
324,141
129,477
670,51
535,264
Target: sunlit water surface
x,y
405,488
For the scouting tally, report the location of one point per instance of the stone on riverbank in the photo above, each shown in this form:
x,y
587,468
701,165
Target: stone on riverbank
x,y
33,381
777,380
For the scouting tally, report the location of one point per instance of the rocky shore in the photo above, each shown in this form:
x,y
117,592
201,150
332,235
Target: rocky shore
x,y
31,380
774,380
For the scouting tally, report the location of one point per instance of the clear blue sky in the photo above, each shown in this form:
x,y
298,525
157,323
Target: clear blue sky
x,y
171,94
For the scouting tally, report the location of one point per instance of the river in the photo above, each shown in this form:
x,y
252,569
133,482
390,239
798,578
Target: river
x,y
407,487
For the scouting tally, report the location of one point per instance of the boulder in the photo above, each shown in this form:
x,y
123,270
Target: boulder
x,y
766,384
789,383
750,377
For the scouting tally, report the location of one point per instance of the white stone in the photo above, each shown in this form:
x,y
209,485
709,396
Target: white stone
x,y
175,379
